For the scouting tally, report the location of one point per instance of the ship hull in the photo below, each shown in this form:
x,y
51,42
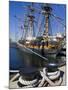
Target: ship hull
x,y
36,58
43,52
32,58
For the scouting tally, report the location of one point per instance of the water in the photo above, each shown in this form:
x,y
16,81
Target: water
x,y
16,59
19,59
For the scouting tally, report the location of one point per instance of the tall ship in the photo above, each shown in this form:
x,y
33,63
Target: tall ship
x,y
42,47
38,55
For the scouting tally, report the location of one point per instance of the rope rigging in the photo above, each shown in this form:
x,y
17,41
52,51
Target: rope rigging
x,y
59,20
41,23
47,79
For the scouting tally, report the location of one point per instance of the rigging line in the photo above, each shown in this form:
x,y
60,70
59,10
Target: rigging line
x,y
46,59
57,17
59,23
56,25
19,19
26,24
59,20
39,21
25,27
33,31
36,53
22,26
50,25
22,32
43,23
15,27
40,25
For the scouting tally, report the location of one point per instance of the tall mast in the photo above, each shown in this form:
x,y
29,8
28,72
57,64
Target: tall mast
x,y
31,21
25,27
46,10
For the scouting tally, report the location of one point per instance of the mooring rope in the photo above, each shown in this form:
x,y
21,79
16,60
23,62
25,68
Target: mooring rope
x,y
24,82
49,78
16,76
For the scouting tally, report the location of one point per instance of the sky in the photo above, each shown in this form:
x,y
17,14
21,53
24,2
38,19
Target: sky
x,y
20,9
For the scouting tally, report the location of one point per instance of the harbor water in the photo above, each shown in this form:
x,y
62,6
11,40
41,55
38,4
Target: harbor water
x,y
18,60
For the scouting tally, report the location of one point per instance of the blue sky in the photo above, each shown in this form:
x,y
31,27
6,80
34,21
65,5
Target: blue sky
x,y
18,9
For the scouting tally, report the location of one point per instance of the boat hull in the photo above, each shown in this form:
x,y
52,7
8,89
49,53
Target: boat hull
x,y
32,59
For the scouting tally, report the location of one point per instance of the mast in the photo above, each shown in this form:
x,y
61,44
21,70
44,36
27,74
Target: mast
x,y
31,22
25,27
46,10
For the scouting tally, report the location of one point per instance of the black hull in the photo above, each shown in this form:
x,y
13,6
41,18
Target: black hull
x,y
32,59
